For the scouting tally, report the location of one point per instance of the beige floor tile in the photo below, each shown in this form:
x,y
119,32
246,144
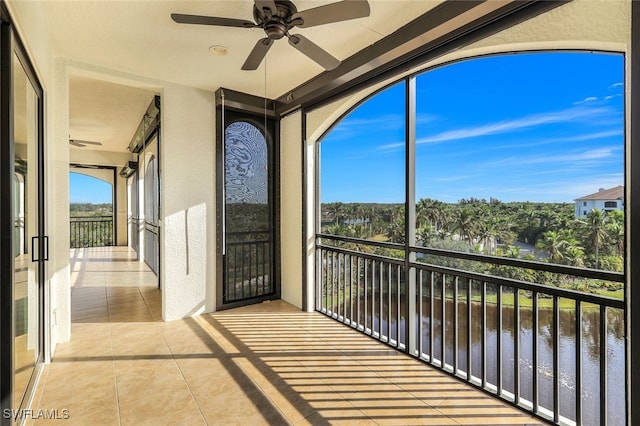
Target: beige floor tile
x,y
108,417
139,378
341,417
214,369
166,407
266,364
237,403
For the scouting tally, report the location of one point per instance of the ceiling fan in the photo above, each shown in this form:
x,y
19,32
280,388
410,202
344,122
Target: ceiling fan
x,y
277,18
82,144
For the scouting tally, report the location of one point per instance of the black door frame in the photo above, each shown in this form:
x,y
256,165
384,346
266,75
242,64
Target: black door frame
x,y
152,228
231,107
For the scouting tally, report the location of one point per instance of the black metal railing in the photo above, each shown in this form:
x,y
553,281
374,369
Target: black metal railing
x,y
94,231
557,353
247,265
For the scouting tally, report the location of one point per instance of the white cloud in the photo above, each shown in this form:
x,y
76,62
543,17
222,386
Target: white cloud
x,y
589,155
426,118
576,138
351,127
391,146
564,116
453,178
614,85
586,100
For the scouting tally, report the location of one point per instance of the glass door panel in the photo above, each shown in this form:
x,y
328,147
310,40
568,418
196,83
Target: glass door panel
x,y
26,232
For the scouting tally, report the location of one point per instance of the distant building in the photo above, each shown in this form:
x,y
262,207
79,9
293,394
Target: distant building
x,y
605,199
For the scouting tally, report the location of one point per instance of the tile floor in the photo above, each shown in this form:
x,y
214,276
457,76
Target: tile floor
x,y
258,365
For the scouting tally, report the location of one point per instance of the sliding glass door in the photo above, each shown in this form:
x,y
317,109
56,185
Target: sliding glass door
x,y
24,246
26,309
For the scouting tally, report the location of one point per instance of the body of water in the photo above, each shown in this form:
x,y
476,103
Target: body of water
x,y
381,322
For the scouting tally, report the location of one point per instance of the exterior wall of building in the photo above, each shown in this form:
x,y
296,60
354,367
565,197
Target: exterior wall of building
x,y
583,207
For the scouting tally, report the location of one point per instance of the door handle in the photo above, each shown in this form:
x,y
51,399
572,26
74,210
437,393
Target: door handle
x,y
46,248
33,249
34,252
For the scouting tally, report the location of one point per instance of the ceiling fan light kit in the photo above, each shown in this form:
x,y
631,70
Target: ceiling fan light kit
x,y
277,18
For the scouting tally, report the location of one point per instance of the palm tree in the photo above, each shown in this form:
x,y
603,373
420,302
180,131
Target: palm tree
x,y
335,210
424,234
596,230
464,223
615,229
395,232
554,244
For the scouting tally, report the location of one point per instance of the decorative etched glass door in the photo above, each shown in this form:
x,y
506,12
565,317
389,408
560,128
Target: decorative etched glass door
x,y
248,231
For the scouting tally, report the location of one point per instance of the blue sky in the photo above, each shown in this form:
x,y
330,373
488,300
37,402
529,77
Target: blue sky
x,y
86,189
525,127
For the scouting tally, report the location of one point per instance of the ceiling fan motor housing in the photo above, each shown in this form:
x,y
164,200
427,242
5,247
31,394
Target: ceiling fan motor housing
x,y
277,25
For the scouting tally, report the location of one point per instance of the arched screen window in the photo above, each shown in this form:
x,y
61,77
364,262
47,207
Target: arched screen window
x,y
514,158
363,170
505,146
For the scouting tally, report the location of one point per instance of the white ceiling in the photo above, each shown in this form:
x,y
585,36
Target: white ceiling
x,y
139,37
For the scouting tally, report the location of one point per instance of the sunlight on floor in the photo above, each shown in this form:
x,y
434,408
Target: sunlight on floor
x,y
262,364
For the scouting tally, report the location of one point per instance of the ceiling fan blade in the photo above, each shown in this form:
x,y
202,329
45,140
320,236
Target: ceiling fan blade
x,y
77,141
334,12
257,54
313,51
211,20
267,4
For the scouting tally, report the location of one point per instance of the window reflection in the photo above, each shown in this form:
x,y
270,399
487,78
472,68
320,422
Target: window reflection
x,y
26,290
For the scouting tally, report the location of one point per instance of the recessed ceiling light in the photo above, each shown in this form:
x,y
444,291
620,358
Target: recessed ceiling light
x,y
218,50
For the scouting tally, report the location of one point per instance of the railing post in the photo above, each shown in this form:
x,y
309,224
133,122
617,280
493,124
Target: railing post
x,y
410,215
547,392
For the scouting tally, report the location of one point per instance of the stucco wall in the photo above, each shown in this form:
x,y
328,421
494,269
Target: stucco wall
x,y
188,205
291,209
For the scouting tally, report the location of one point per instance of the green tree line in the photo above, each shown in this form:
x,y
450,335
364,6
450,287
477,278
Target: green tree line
x,y
494,228
89,209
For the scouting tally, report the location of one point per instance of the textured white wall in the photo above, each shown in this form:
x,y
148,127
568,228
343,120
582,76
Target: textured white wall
x,y
187,155
291,209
